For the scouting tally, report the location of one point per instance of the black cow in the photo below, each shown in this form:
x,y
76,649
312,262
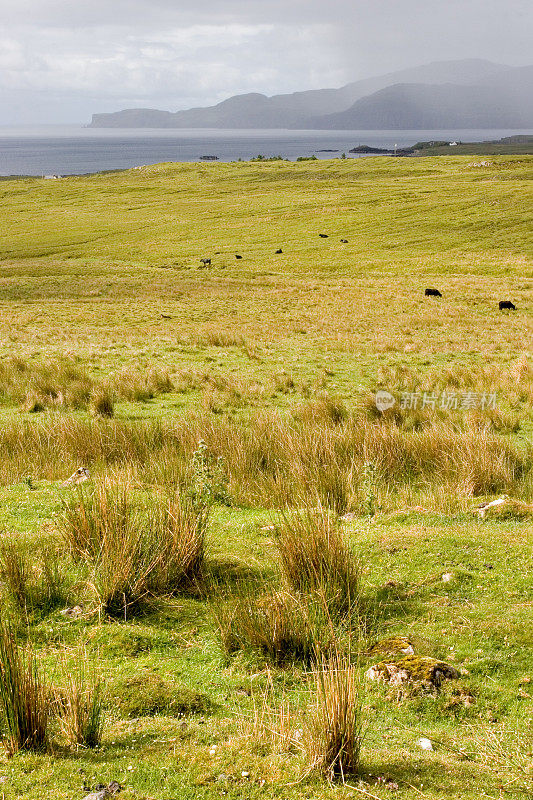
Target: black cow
x,y
506,304
323,235
205,261
279,251
432,293
237,257
344,241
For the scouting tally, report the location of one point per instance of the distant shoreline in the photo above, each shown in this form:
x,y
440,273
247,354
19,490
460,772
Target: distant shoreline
x,y
78,151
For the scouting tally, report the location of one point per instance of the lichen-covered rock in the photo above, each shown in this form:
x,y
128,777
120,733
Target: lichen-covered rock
x,y
393,646
415,673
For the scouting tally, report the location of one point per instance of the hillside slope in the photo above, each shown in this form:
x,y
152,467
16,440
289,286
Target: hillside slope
x,y
295,110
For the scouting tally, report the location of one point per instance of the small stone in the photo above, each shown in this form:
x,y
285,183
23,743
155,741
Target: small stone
x,y
425,744
447,577
245,774
73,613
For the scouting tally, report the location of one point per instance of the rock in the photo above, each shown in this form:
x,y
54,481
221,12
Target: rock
x,y
425,744
417,673
72,613
107,792
447,577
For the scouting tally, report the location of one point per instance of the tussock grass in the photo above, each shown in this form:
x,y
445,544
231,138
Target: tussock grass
x,y
220,338
64,384
101,402
24,697
133,551
335,730
79,705
315,559
283,627
36,579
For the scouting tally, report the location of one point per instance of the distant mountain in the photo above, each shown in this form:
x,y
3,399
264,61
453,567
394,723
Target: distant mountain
x,y
300,109
503,100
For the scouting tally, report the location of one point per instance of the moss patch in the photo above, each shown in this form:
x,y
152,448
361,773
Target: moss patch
x,y
148,694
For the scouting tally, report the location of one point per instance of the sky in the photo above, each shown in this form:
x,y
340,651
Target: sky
x,y
62,60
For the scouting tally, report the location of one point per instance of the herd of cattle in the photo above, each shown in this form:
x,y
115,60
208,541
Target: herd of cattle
x,y
503,305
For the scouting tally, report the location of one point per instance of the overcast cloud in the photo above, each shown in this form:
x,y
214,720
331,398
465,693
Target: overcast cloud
x,y
62,60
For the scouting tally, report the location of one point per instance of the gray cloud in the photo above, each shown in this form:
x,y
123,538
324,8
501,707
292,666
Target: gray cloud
x,y
60,60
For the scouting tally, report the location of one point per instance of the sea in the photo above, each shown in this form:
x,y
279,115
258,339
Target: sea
x,y
78,150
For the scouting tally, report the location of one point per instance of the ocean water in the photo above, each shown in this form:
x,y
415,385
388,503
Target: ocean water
x,y
69,150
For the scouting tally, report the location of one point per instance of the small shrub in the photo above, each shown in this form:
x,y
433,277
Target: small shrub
x,y
209,478
24,697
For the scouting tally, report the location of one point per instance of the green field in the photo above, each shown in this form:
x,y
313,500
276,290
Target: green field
x,y
119,352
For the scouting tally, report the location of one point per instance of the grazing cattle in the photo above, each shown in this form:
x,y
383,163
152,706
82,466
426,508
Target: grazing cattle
x,y
205,261
344,241
279,251
237,257
432,293
323,235
506,304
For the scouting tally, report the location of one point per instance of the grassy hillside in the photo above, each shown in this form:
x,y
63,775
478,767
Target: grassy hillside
x,y
120,352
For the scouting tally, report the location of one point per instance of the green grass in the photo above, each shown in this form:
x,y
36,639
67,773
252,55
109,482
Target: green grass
x,y
89,266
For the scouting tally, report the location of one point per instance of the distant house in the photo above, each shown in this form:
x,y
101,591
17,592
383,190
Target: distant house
x,y
52,177
453,144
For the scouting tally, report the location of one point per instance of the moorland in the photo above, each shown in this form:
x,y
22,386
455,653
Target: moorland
x,y
196,619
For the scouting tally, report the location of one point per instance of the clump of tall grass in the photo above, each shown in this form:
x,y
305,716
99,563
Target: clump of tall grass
x,y
316,560
79,707
37,579
281,626
334,731
321,409
138,386
101,402
24,696
325,733
220,338
134,550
